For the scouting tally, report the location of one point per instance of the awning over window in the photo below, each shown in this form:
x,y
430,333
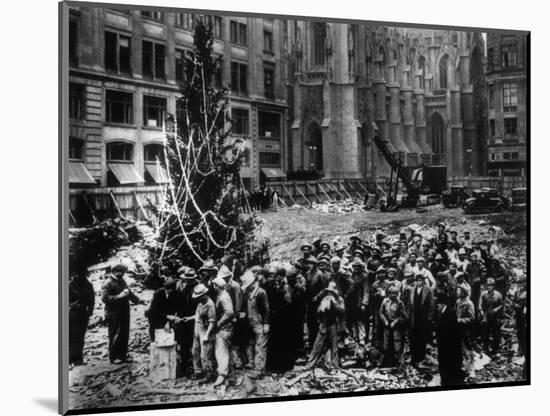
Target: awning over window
x,y
78,174
157,172
125,173
272,173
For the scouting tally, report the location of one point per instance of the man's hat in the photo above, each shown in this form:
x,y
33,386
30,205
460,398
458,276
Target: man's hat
x,y
311,259
335,260
219,281
438,256
391,270
306,246
183,269
354,237
324,244
464,287
381,269
402,232
224,272
247,279
199,290
420,259
441,224
358,251
338,247
462,250
408,273
393,289
490,281
208,265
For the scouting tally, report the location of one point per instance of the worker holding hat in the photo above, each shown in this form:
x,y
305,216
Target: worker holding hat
x,y
116,296
204,335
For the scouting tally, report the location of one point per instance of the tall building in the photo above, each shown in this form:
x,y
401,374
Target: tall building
x,y
507,98
125,66
421,90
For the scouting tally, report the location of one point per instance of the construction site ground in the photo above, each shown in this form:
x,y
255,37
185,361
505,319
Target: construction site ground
x,y
100,384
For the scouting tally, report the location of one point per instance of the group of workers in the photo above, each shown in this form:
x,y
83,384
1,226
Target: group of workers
x,y
376,295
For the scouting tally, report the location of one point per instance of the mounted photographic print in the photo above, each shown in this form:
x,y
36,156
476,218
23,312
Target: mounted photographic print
x,y
265,208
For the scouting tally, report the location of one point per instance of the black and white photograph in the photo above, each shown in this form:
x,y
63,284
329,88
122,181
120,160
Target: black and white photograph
x,y
263,207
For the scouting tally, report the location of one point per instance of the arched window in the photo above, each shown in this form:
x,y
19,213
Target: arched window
x,y
422,70
319,37
437,133
443,64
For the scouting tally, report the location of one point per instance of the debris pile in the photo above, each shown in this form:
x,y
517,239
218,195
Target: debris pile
x,y
338,207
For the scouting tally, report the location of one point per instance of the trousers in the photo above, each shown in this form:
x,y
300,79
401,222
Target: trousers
x,y
222,351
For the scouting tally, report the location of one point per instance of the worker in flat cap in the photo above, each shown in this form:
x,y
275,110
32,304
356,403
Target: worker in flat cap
x,y
317,279
377,294
462,262
392,278
306,250
491,311
116,296
393,316
224,325
421,313
465,314
357,303
207,272
325,250
204,335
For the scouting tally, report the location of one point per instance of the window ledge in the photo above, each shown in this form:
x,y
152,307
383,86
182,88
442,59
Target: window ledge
x,y
123,125
151,128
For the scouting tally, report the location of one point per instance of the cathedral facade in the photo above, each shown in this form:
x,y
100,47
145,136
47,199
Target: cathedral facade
x,y
421,90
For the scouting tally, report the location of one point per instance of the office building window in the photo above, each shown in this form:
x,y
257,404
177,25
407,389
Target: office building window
x,y
238,33
269,125
120,152
76,148
510,128
509,55
154,109
268,41
152,15
515,155
215,22
270,159
77,101
153,60
117,53
239,122
119,107
268,83
491,97
239,78
180,65
153,152
73,42
492,128
490,59
185,20
319,38
506,156
443,65
510,96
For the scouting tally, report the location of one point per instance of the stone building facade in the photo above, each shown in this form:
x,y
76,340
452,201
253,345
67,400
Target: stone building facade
x,y
507,98
422,90
124,70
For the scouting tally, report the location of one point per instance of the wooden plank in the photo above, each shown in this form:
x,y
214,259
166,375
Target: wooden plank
x,y
115,204
322,190
314,192
71,216
362,187
92,211
303,196
344,189
140,207
289,194
334,188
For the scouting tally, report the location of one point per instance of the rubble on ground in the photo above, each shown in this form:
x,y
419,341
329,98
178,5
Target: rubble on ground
x,y
337,207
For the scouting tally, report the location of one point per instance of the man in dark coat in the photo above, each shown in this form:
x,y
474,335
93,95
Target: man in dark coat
x,y
184,329
421,313
449,345
81,307
297,284
163,305
116,296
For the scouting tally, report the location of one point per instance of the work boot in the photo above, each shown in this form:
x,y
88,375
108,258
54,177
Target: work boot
x,y
219,381
206,379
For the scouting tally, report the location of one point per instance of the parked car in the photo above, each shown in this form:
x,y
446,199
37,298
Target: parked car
x,y
485,200
454,197
519,199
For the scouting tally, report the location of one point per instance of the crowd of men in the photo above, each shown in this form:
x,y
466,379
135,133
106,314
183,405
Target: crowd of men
x,y
378,294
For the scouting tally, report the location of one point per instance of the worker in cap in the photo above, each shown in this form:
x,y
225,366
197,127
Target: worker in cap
x,y
421,308
224,324
393,316
491,311
204,335
465,314
207,272
116,296
338,249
